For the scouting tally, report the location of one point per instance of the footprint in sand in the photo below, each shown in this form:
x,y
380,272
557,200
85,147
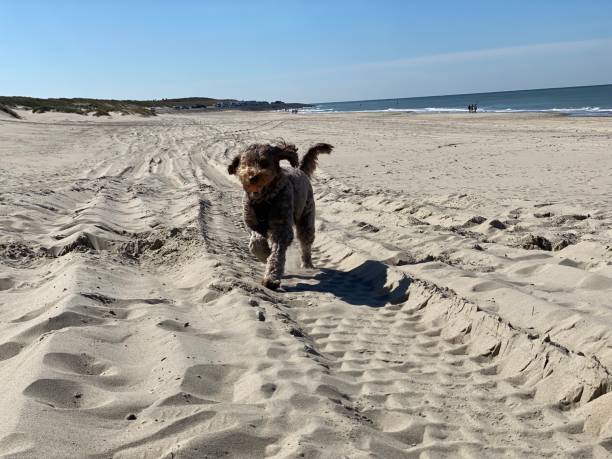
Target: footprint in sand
x,y
67,394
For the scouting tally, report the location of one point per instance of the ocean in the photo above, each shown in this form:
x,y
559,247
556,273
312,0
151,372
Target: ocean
x,y
577,101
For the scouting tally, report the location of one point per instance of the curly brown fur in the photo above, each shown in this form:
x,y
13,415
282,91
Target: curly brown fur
x,y
276,199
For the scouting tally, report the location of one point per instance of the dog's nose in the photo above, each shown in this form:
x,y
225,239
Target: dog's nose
x,y
254,178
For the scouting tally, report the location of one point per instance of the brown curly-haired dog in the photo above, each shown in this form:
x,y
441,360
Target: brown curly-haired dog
x,y
275,200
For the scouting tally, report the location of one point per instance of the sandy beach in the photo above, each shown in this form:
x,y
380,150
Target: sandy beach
x,y
461,305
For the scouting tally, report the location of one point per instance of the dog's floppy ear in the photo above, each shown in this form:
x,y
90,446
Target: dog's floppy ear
x,y
231,169
286,151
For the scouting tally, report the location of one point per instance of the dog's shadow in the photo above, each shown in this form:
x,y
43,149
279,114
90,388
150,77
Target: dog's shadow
x,y
350,286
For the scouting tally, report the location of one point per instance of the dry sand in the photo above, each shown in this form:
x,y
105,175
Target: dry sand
x,y
461,306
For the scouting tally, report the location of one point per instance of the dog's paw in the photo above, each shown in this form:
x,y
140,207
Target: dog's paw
x,y
272,284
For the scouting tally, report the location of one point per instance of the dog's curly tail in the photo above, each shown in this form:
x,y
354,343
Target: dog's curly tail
x,y
308,164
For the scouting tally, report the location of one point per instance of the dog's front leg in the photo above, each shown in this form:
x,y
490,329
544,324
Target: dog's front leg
x,y
258,245
280,237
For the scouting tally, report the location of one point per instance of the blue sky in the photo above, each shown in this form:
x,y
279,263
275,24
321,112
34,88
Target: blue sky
x,y
310,51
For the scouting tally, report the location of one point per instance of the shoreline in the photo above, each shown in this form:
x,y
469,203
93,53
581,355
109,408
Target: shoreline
x,y
569,113
27,115
595,99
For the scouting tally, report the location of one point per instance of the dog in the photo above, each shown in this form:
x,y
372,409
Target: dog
x,y
275,200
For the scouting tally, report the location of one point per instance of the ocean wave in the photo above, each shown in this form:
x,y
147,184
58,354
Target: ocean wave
x,y
561,110
382,110
317,110
568,110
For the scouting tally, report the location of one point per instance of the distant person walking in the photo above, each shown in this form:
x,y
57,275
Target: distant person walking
x,y
470,108
475,108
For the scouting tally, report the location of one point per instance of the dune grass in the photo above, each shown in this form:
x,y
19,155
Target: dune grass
x,y
101,113
102,107
79,106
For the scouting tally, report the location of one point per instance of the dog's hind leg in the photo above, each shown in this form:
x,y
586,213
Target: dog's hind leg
x,y
305,228
258,245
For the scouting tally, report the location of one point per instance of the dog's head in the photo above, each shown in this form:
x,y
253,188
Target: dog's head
x,y
258,165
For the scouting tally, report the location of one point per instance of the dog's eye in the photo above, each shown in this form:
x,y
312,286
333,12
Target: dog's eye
x,y
264,163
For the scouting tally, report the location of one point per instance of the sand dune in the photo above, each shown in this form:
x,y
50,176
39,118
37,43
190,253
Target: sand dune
x,y
455,312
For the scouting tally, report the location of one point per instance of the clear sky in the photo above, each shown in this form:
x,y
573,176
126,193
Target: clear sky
x,y
306,51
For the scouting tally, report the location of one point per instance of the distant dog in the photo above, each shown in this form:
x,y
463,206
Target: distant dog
x,y
275,200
